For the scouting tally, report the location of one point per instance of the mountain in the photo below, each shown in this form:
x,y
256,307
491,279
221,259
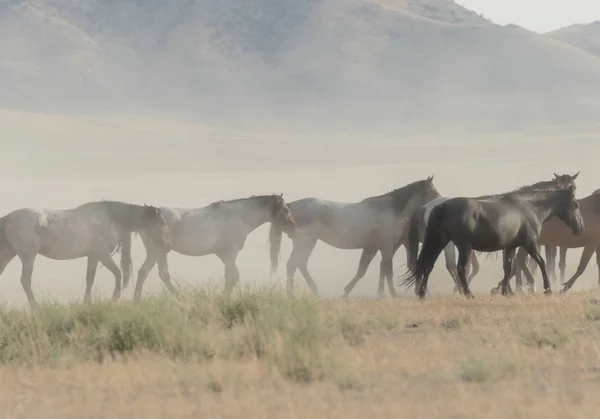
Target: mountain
x,y
586,37
324,61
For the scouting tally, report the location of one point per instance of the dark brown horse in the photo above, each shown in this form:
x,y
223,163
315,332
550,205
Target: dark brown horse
x,y
555,234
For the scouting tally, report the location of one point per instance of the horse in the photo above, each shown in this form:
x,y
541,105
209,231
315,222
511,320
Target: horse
x,y
220,228
418,223
507,223
555,234
373,224
416,227
94,230
562,263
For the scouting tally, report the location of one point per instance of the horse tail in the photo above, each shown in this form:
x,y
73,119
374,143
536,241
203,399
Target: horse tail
x,y
432,247
275,234
126,263
414,235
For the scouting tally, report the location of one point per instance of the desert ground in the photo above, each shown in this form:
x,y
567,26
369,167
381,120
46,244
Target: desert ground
x,y
530,356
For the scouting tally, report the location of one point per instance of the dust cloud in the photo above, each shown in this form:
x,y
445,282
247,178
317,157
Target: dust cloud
x,y
61,162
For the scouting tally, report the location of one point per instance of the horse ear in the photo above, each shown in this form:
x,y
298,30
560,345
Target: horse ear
x,y
281,195
575,176
430,179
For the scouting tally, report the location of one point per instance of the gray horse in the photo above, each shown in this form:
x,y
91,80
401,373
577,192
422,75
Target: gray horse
x,y
220,228
92,230
374,225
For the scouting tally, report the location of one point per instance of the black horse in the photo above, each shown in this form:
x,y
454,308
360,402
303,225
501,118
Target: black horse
x,y
418,223
506,223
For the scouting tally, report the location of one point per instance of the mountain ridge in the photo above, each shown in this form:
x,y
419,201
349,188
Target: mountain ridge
x,y
400,60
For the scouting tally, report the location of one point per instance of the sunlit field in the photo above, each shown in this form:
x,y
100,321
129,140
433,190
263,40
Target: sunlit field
x,y
261,355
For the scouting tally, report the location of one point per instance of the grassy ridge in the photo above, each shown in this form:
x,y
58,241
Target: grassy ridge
x,y
304,339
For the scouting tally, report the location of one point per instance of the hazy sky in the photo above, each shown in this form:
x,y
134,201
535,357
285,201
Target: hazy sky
x,y
536,15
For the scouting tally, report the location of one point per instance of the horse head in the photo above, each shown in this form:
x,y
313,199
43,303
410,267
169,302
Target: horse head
x,y
282,216
569,213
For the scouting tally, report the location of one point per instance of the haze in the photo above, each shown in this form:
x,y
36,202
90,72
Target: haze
x,y
183,105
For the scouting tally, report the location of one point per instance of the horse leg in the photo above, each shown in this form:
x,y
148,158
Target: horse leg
x,y
365,260
519,281
588,251
514,271
301,251
533,250
521,266
163,273
92,265
26,273
464,252
6,255
107,260
508,256
450,257
421,288
597,263
562,263
143,272
232,275
529,278
474,266
386,271
523,269
551,262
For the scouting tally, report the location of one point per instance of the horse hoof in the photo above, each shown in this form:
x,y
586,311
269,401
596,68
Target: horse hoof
x,y
548,292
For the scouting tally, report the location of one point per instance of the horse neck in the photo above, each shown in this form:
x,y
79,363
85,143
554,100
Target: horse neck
x,y
546,206
417,201
127,216
252,211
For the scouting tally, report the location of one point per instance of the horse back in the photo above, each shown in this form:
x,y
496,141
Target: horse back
x,y
310,210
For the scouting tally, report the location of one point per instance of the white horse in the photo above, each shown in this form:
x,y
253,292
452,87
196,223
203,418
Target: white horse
x,y
374,225
220,228
92,230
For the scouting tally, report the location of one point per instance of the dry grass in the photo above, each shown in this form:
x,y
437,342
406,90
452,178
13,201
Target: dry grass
x,y
260,355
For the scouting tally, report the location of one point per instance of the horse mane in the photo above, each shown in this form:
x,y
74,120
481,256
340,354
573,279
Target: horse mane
x,y
263,199
401,196
538,186
536,192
